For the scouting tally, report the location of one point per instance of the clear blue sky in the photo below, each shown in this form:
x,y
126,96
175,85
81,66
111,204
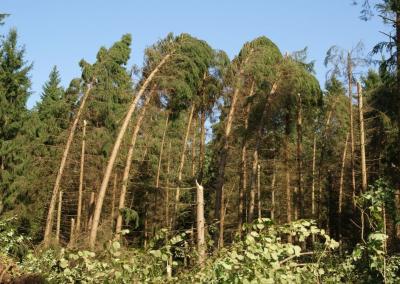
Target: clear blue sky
x,y
63,32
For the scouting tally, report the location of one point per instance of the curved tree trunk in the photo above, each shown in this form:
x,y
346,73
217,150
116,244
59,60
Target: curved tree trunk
x,y
53,200
114,153
128,164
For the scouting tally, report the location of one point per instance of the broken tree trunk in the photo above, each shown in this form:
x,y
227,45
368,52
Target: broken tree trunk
x,y
80,192
114,153
201,242
53,200
128,164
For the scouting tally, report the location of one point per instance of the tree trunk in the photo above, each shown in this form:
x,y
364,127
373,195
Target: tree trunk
x,y
182,162
60,197
224,150
113,200
80,192
273,205
71,233
299,196
362,140
353,173
201,242
128,163
49,221
313,178
221,224
287,169
202,145
167,219
194,146
114,153
260,129
161,152
91,210
341,185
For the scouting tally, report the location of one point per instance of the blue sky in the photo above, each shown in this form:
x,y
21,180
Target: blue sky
x,y
63,32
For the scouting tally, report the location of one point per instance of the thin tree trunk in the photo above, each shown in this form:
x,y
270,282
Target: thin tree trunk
x,y
260,129
201,242
161,152
167,219
113,200
287,170
128,163
49,221
299,196
80,192
221,224
313,207
225,143
341,185
362,140
194,146
91,210
353,173
182,163
273,205
60,197
202,145
114,153
259,190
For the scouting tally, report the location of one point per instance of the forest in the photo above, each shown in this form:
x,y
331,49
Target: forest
x,y
198,168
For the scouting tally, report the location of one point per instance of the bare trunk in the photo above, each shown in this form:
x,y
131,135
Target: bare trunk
x,y
313,178
161,152
287,171
273,204
221,224
167,219
182,162
201,242
114,153
113,201
80,192
341,184
49,221
128,164
91,210
194,147
202,144
353,173
60,197
362,140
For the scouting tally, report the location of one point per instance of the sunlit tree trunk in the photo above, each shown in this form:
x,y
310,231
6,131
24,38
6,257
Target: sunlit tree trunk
x,y
128,163
202,144
167,218
114,153
201,242
350,87
299,195
49,221
114,190
362,139
193,151
80,191
60,198
341,183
